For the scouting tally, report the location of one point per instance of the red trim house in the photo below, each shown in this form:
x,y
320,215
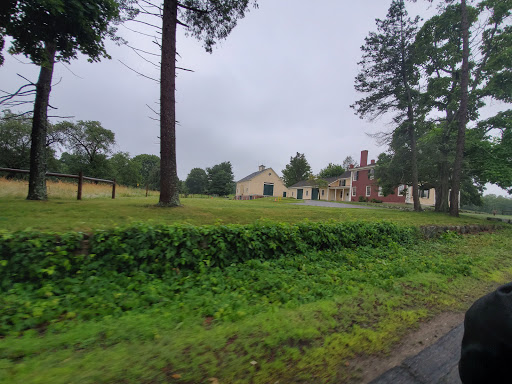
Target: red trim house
x,y
364,184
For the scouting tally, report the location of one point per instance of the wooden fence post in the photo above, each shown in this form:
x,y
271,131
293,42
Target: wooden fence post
x,y
80,183
147,189
114,189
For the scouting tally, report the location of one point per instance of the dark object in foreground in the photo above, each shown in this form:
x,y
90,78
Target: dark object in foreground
x,y
486,354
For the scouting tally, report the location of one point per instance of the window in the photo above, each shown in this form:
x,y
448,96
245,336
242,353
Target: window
x,y
353,191
292,194
270,173
371,174
323,192
380,192
355,175
401,189
307,193
425,193
368,190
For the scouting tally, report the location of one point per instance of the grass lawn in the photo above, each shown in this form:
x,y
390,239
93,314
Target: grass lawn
x,y
88,214
298,319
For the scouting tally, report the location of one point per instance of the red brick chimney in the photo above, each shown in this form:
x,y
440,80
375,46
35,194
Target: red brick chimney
x,y
364,158
372,162
351,166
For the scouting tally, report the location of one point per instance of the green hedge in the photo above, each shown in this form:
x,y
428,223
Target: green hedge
x,y
160,249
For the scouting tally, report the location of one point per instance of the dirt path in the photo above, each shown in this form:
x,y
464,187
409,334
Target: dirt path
x,y
368,368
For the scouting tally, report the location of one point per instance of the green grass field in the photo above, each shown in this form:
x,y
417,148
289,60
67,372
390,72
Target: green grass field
x,y
295,319
86,215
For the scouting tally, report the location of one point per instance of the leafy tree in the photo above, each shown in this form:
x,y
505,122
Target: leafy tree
x,y
88,139
388,76
125,170
331,170
146,164
349,160
197,181
208,21
447,59
15,142
220,179
297,170
90,145
48,32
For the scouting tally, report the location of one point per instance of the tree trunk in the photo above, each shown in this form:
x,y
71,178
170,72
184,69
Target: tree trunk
x,y
443,186
168,176
414,162
410,124
37,177
462,115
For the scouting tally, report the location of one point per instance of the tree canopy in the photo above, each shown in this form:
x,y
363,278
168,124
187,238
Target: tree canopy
x,y
297,170
221,179
197,181
331,170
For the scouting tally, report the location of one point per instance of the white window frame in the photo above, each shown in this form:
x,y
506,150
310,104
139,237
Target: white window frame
x,y
401,189
355,175
371,174
368,190
354,191
380,192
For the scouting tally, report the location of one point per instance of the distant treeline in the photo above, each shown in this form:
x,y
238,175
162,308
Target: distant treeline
x,y
491,203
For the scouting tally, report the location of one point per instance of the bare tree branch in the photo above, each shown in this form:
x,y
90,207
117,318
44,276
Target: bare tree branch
x,y
147,77
193,8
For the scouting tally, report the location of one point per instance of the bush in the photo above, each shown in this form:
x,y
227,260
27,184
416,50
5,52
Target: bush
x,y
160,249
363,199
377,201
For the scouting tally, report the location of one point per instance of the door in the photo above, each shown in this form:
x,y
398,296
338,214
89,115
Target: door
x,y
268,189
299,193
314,193
284,194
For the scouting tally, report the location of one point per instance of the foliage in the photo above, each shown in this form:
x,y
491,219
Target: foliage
x,y
125,170
197,181
389,78
73,26
332,170
304,316
221,179
297,170
47,264
146,165
15,142
215,20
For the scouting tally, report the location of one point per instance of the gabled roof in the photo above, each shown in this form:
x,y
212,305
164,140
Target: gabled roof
x,y
254,174
251,176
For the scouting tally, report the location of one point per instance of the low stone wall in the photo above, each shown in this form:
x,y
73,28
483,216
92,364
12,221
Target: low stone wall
x,y
431,231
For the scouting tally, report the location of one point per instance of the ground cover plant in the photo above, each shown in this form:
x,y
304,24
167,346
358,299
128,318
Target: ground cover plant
x,y
294,318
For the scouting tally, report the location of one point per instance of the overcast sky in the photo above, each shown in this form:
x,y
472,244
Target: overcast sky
x,y
281,83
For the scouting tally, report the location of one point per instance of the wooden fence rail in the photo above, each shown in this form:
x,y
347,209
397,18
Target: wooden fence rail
x,y
80,178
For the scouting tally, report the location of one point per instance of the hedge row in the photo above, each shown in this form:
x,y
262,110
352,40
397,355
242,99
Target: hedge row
x,y
160,249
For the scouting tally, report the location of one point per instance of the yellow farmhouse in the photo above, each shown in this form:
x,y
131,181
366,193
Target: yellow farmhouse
x,y
264,182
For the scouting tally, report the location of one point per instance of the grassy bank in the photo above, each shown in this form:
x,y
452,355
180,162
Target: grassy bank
x,y
295,319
